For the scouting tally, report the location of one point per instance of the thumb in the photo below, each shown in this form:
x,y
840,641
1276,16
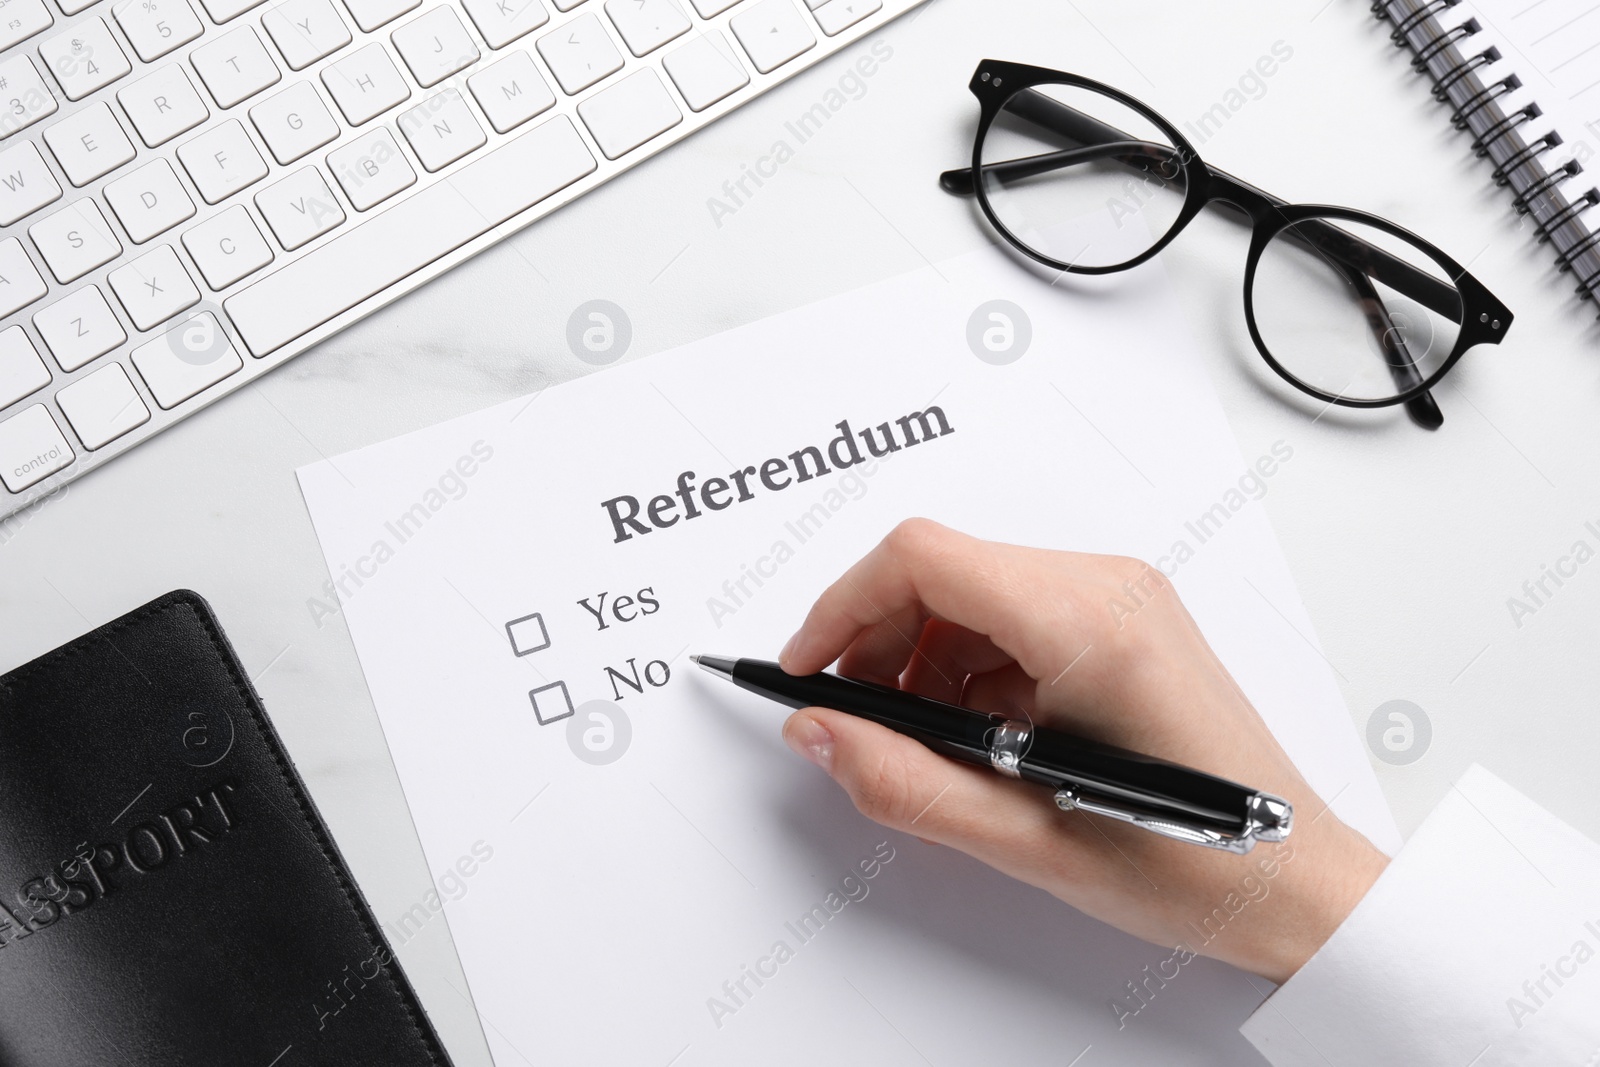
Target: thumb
x,y
900,783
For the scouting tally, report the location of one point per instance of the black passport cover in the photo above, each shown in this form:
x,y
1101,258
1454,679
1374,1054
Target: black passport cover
x,y
168,893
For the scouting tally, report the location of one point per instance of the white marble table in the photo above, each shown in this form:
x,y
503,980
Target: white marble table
x,y
1407,545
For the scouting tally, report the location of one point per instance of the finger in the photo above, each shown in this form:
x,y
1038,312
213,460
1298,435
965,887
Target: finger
x,y
893,780
985,587
881,651
1007,691
945,656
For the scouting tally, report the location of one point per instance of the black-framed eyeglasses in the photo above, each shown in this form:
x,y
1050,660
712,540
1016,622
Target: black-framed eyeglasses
x,y
1342,304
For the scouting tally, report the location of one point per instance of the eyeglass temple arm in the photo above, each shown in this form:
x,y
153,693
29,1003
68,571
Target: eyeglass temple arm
x,y
1422,408
1074,125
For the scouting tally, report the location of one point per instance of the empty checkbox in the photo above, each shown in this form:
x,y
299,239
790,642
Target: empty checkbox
x,y
551,703
528,634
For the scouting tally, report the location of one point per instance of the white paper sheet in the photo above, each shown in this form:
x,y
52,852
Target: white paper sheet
x,y
623,907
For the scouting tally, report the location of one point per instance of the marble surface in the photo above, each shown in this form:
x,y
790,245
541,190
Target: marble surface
x,y
1407,545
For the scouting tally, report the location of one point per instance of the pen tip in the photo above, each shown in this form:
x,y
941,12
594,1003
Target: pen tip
x,y
695,658
721,666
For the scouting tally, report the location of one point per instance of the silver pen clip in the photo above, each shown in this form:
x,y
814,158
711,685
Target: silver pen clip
x,y
1267,818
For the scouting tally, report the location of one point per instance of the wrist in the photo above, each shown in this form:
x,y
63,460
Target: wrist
x,y
1336,867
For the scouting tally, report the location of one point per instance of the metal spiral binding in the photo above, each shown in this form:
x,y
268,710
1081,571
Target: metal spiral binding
x,y
1415,19
1441,88
1570,212
1541,145
1564,259
1461,116
1480,145
1586,287
1523,201
1484,100
1443,41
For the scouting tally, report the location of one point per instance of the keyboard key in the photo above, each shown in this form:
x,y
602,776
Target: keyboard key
x,y
227,247
836,16
772,33
629,113
705,70
72,7
163,105
370,14
21,370
580,53
79,327
503,21
409,236
441,130
102,406
435,46
371,169
89,144
150,201
154,287
566,5
300,208
305,31
235,66
708,8
84,58
646,25
225,10
511,91
21,19
365,84
222,161
189,357
26,184
20,283
156,27
31,448
25,99
294,122
75,240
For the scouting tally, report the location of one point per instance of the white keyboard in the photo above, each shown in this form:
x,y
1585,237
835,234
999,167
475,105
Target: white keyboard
x,y
193,191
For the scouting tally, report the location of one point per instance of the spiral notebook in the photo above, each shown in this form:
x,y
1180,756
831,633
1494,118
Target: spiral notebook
x,y
1522,77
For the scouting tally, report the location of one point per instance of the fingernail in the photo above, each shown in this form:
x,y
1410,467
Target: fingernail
x,y
809,738
788,650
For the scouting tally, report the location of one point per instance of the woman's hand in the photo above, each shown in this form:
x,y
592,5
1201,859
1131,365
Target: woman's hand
x,y
1032,633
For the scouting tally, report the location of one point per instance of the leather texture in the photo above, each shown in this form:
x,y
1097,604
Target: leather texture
x,y
168,893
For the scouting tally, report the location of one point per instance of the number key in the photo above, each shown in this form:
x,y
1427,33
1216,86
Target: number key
x,y
84,58
156,27
24,97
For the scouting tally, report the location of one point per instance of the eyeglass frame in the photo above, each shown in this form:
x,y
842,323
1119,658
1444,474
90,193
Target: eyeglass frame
x,y
1484,319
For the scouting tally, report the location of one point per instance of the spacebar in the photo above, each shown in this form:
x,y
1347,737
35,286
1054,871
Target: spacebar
x,y
407,237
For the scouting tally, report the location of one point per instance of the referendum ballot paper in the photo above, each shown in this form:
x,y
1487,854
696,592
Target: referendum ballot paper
x,y
669,883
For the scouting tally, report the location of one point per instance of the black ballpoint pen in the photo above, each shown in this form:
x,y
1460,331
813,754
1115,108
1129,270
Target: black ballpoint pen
x,y
1151,793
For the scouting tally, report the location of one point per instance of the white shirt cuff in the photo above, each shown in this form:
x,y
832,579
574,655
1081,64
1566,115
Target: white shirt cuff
x,y
1480,945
